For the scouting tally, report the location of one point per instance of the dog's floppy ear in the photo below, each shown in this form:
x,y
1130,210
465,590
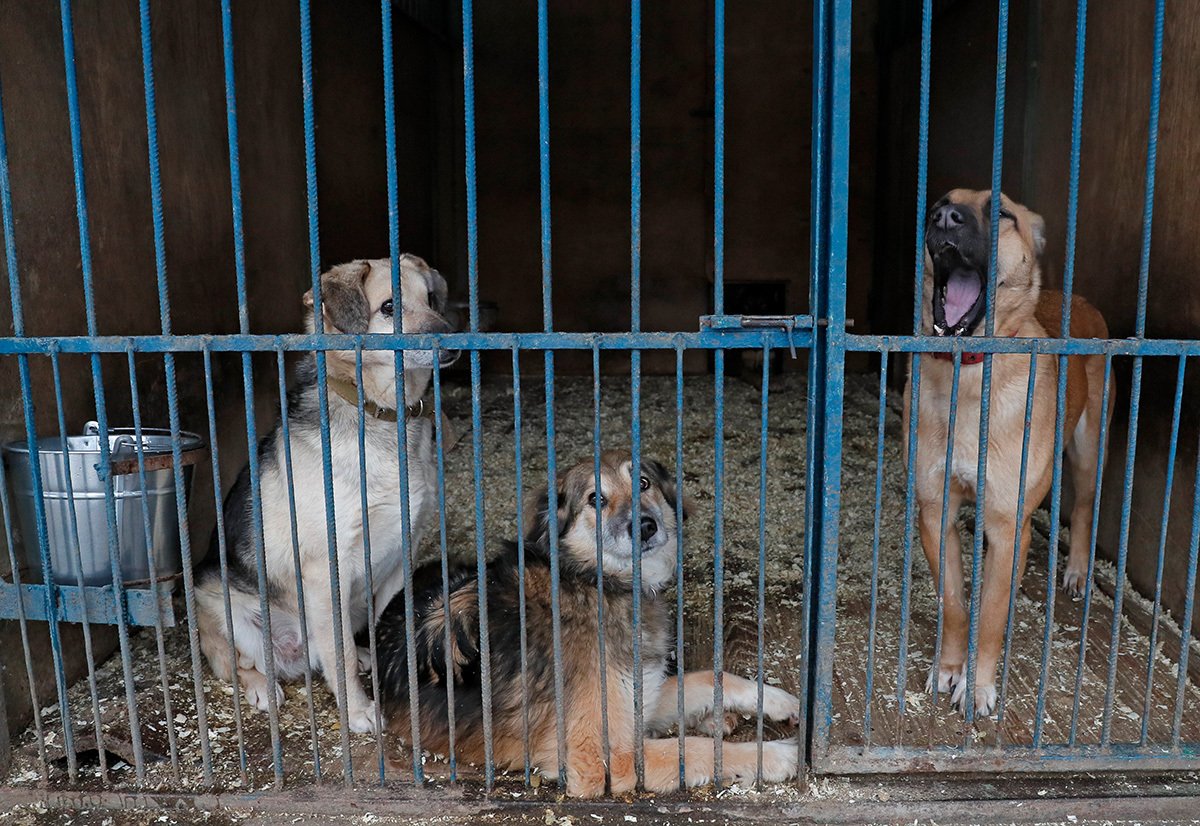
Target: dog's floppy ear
x,y
1037,229
537,515
435,284
666,483
343,301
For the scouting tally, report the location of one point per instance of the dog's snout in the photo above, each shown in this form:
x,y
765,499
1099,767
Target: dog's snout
x,y
947,217
649,527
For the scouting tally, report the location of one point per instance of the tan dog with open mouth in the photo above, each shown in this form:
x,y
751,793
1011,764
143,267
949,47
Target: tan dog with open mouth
x,y
957,240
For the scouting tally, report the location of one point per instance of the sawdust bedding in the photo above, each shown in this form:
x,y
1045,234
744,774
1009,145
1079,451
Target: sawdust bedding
x,y
169,718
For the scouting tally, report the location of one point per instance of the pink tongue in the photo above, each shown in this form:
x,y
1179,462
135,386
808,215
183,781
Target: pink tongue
x,y
962,290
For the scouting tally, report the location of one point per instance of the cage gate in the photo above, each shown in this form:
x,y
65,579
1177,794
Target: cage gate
x,y
825,620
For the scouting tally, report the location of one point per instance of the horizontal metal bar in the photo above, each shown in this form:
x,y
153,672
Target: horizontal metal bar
x,y
1045,346
97,603
1011,759
235,343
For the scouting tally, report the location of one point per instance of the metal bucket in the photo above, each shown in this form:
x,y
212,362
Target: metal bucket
x,y
86,497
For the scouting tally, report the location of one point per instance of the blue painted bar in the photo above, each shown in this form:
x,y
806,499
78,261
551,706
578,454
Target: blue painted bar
x,y
368,574
519,483
239,258
1168,486
1189,607
560,724
440,443
223,559
910,509
1061,395
679,586
85,621
761,608
98,603
600,644
303,342
944,523
543,35
164,679
85,258
1015,574
635,432
1087,592
873,621
635,360
164,305
719,385
1160,11
922,161
286,439
986,389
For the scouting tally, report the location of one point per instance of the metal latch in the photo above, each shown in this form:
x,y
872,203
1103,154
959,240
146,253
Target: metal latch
x,y
787,323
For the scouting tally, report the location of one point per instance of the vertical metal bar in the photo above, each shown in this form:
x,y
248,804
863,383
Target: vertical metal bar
x,y
922,161
447,623
604,734
914,408
1189,606
679,664
314,253
986,389
718,712
368,574
944,525
832,344
152,565
1063,367
476,415
98,729
543,36
1169,485
164,308
521,604
223,558
1087,591
762,560
555,607
85,255
406,534
1114,646
872,622
239,258
286,437
1014,582
817,706
635,365
1136,391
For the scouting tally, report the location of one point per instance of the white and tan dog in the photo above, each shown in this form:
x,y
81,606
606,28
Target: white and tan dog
x,y
356,298
956,263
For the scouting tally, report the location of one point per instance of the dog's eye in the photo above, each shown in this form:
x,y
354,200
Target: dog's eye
x,y
645,483
1004,213
388,308
592,500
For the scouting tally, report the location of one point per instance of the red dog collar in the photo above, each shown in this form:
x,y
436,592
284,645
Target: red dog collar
x,y
967,358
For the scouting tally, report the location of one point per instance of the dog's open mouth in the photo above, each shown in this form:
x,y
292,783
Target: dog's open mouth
x,y
958,300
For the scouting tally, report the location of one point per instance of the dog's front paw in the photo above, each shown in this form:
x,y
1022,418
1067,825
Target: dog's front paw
x,y
1074,581
257,691
985,696
362,719
779,761
780,706
948,678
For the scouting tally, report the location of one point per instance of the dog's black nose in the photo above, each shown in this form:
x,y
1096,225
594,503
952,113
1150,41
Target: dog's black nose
x,y
649,527
947,217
